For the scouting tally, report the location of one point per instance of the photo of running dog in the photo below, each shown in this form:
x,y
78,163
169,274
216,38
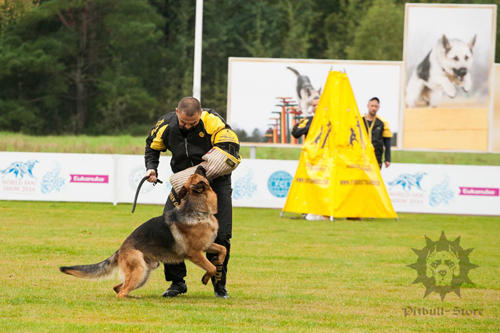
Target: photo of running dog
x,y
445,67
305,92
182,233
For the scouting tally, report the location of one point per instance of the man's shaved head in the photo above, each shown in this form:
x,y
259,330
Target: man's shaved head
x,y
190,106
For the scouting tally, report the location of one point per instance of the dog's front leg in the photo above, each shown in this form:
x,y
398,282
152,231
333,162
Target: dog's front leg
x,y
435,97
467,83
218,261
447,86
199,260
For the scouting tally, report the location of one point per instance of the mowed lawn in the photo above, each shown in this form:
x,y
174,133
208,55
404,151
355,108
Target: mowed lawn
x,y
286,275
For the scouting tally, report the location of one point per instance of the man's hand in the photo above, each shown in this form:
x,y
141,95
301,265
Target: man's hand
x,y
387,163
151,174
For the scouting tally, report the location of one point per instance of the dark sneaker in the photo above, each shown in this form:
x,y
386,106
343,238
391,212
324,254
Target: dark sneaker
x,y
175,289
220,292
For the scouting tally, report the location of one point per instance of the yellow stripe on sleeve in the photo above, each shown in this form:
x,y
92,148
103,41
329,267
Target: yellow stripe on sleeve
x,y
387,130
157,143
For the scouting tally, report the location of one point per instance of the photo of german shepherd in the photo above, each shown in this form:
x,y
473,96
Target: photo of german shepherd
x,y
182,233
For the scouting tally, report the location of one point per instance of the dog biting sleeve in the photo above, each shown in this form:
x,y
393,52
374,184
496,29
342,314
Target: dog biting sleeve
x,y
216,162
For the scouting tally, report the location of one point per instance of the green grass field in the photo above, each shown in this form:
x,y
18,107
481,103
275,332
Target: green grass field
x,y
285,275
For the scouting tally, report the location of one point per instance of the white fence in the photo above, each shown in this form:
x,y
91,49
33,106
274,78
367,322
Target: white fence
x,y
419,188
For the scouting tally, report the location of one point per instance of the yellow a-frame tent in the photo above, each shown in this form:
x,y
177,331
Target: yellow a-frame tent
x,y
338,174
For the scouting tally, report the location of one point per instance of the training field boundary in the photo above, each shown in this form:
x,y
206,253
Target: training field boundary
x,y
413,188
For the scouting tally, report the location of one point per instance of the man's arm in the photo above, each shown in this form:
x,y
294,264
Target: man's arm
x,y
155,144
301,128
387,146
386,137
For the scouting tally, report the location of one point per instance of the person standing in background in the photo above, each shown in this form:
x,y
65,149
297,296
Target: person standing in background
x,y
379,132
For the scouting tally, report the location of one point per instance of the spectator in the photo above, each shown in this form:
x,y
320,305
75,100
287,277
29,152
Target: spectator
x,y
379,132
302,127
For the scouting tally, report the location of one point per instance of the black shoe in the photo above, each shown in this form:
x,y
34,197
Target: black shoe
x,y
220,291
175,289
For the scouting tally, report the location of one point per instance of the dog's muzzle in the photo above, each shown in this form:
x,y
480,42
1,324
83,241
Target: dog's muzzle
x,y
460,73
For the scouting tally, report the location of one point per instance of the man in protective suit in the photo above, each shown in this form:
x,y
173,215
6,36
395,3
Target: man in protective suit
x,y
196,137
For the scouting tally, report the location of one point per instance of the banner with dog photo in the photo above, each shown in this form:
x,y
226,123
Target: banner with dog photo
x,y
268,97
448,62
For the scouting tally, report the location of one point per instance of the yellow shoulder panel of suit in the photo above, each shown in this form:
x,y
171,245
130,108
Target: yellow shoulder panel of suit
x,y
158,143
387,130
213,124
303,122
225,135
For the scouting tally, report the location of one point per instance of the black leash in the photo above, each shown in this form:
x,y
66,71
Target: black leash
x,y
139,189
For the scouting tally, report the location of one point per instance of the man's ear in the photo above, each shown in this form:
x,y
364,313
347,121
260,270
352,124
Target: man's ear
x,y
182,193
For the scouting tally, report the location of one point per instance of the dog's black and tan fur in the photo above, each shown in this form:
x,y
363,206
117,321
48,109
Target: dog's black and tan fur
x,y
182,233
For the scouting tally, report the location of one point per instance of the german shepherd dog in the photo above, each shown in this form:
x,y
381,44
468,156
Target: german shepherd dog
x,y
305,92
182,233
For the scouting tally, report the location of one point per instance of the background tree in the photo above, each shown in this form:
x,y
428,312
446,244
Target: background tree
x,y
379,35
114,66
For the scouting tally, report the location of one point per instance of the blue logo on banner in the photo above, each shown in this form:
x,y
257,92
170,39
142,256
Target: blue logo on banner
x,y
279,183
244,186
52,182
20,169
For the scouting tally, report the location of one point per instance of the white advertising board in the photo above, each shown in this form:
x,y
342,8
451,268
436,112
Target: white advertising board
x,y
130,172
413,188
444,189
254,85
262,183
56,177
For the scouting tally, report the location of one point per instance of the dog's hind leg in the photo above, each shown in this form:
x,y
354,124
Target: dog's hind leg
x,y
118,287
413,91
135,270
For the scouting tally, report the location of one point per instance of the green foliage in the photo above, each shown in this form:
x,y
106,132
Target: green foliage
x,y
114,66
380,34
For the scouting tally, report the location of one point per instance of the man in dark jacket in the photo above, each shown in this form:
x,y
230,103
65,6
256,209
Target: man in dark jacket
x,y
379,132
302,127
189,134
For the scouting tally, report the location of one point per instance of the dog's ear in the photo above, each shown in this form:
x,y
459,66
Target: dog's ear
x,y
182,193
319,91
446,44
472,42
201,171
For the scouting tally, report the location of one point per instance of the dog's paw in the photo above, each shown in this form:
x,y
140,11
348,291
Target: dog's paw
x,y
452,93
205,279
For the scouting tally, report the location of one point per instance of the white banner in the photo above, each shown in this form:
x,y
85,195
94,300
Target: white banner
x,y
130,172
413,188
444,189
56,177
262,183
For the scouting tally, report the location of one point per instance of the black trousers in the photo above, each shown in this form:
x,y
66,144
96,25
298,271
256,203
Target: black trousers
x,y
222,187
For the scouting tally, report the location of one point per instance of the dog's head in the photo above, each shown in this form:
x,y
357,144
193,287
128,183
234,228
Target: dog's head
x,y
457,56
198,188
443,266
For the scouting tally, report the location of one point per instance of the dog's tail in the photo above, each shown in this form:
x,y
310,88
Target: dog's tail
x,y
294,70
104,269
